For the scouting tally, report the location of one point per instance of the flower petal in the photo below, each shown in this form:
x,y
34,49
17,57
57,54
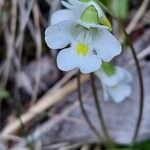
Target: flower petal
x,y
61,15
79,7
66,60
89,63
107,46
98,8
77,2
127,77
105,92
66,4
71,3
59,35
120,92
111,80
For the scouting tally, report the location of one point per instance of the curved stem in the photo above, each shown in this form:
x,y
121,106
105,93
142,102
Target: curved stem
x,y
141,84
99,112
83,110
141,105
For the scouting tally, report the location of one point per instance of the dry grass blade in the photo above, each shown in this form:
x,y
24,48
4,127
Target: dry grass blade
x,y
49,99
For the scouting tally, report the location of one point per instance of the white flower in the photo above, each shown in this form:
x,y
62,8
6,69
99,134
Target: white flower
x,y
75,11
117,86
90,42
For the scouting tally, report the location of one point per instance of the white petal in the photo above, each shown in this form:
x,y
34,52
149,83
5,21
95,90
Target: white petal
x,y
78,10
61,15
107,46
105,92
98,8
81,6
75,2
59,35
66,4
77,7
89,63
127,77
111,80
66,60
120,92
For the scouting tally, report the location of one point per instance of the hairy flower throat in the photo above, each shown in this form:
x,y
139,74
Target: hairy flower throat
x,y
82,49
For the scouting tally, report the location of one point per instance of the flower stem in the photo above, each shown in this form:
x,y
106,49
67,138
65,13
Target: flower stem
x,y
141,96
140,77
100,115
84,111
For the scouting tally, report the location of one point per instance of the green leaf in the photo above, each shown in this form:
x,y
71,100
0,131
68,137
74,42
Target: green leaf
x,y
120,8
4,94
145,145
105,2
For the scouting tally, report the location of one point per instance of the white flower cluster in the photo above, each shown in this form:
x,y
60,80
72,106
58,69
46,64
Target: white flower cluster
x,y
85,30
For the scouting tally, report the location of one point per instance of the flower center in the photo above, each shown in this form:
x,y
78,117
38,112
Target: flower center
x,y
82,49
85,35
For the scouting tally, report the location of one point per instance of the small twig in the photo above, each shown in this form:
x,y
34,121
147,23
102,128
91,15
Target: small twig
x,y
11,138
38,39
140,55
43,104
137,16
71,146
83,110
54,4
31,29
25,8
10,50
9,38
64,80
85,147
13,19
49,125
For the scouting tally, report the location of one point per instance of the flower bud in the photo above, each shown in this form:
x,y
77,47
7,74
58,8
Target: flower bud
x,y
108,68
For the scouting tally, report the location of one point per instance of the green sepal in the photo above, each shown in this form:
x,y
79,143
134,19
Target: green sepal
x,y
104,21
108,68
90,15
84,1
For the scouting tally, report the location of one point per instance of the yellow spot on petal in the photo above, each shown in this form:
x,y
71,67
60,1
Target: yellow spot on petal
x,y
82,49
